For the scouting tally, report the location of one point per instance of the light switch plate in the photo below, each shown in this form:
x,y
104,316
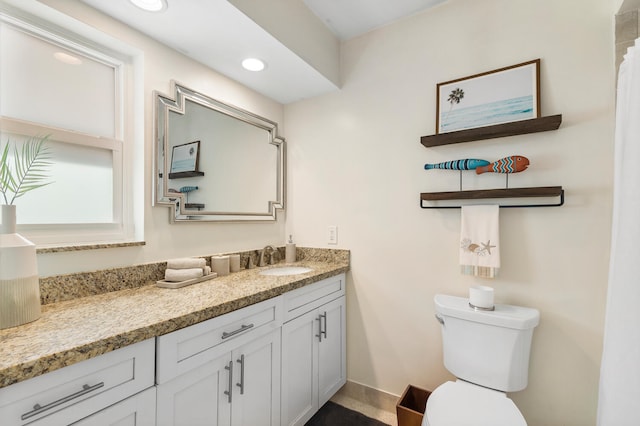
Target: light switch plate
x,y
332,234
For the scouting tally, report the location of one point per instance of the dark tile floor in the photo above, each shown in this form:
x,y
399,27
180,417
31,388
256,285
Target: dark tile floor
x,y
332,414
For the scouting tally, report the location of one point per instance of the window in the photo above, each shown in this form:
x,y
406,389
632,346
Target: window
x,y
83,95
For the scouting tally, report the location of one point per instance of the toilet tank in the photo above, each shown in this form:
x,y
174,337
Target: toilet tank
x,y
488,348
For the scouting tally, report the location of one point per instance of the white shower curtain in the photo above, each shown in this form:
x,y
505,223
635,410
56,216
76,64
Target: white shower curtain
x,y
619,399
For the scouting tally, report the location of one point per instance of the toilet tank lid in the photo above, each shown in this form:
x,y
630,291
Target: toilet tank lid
x,y
509,316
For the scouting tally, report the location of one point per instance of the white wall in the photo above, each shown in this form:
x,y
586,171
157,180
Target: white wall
x,y
164,240
356,162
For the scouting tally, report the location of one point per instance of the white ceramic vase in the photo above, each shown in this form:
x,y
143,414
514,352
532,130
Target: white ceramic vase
x,y
19,283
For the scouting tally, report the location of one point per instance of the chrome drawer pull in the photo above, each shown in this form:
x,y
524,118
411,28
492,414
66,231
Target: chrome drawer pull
x,y
38,409
242,328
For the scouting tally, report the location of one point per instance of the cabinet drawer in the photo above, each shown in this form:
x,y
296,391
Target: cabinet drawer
x,y
182,350
88,386
307,298
137,410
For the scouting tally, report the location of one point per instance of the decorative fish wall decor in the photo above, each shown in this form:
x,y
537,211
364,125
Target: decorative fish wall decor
x,y
512,164
466,164
187,189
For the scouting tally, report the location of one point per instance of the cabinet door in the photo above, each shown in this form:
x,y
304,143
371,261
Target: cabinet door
x,y
197,398
137,410
256,378
300,369
332,349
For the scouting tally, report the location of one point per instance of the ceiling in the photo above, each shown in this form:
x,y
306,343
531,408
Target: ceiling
x,y
351,18
217,34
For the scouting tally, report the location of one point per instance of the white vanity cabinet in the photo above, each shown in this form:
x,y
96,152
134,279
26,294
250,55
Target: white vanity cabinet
x,y
268,364
224,371
114,388
313,348
138,410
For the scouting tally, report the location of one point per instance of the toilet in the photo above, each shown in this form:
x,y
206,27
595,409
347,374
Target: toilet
x,y
488,352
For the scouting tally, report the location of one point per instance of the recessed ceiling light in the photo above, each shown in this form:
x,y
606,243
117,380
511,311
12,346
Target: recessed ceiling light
x,y
253,64
150,5
67,59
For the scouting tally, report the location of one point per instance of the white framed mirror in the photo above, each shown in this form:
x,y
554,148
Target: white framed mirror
x,y
214,161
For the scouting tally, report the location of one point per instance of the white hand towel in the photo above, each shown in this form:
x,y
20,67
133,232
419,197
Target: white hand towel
x,y
186,263
480,241
177,275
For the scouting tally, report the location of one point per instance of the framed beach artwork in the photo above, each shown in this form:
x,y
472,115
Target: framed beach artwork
x,y
494,97
185,157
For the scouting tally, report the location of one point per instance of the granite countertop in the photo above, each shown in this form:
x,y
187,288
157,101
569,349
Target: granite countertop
x,y
75,330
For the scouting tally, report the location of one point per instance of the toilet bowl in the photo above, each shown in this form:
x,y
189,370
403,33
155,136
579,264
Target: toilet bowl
x,y
461,403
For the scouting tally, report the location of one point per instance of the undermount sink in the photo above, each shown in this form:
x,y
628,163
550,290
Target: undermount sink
x,y
286,270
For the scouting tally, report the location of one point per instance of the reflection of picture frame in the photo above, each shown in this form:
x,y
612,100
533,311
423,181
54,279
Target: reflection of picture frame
x,y
185,157
494,97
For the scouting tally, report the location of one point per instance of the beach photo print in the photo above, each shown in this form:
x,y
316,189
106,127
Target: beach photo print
x,y
185,157
494,97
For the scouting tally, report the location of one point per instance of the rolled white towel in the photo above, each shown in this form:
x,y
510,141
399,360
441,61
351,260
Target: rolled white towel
x,y
177,275
207,270
186,263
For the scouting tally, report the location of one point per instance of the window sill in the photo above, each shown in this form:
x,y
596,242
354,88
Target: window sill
x,y
60,249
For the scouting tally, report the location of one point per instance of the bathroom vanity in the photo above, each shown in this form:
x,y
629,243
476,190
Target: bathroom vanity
x,y
246,349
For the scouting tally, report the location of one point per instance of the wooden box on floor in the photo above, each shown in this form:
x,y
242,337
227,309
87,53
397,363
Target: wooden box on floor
x,y
411,405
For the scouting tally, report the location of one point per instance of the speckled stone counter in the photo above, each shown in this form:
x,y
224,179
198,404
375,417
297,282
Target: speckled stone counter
x,y
75,330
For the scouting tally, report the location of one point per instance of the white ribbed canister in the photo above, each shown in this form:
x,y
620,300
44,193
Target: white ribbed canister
x,y
19,282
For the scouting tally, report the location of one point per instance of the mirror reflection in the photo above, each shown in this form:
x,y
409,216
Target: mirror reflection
x,y
222,163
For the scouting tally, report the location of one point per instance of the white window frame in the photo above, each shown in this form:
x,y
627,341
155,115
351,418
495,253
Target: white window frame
x,y
126,148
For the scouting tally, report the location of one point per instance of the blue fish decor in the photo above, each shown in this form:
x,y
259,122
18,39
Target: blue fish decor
x,y
187,189
466,164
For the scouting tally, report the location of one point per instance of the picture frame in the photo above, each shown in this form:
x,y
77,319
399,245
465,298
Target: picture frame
x,y
494,97
185,157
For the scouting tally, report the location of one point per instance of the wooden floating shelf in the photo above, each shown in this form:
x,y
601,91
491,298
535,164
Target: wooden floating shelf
x,y
181,175
533,192
533,125
540,191
198,206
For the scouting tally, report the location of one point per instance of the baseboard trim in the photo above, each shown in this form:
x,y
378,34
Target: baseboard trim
x,y
370,396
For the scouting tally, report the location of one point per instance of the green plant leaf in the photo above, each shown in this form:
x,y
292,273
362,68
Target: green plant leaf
x,y
30,166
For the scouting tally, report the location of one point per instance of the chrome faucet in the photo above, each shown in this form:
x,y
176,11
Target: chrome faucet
x,y
261,256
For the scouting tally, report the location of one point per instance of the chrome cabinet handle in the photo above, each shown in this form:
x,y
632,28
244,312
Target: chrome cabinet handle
x,y
319,335
38,409
230,391
241,384
242,328
324,330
